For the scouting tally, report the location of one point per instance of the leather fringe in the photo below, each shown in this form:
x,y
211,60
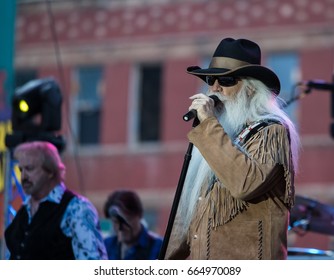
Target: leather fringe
x,y
273,147
223,206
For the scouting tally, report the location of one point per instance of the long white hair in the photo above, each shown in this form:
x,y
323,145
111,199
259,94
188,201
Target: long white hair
x,y
253,102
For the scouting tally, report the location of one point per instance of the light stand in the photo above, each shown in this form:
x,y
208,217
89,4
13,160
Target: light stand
x,y
8,195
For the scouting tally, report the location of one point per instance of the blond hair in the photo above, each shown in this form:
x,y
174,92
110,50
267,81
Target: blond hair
x,y
48,154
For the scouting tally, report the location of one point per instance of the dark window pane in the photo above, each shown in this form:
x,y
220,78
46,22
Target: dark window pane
x,y
89,127
150,97
89,104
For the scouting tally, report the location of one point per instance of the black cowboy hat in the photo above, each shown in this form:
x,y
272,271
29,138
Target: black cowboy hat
x,y
238,58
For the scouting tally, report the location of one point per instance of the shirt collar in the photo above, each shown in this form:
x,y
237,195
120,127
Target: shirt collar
x,y
54,195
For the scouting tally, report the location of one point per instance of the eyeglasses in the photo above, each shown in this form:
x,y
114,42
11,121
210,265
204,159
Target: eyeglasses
x,y
222,81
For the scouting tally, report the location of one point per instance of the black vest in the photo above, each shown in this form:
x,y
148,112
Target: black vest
x,y
43,238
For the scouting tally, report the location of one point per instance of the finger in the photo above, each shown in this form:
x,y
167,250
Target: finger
x,y
197,96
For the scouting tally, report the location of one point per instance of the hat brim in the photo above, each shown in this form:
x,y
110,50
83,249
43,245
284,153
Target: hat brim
x,y
265,75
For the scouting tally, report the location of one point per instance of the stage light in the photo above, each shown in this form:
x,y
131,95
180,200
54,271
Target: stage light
x,y
36,113
36,106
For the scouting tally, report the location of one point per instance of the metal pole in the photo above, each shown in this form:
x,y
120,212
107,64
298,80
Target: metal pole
x,y
177,197
6,198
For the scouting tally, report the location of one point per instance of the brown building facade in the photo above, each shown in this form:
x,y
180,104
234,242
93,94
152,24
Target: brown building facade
x,y
121,66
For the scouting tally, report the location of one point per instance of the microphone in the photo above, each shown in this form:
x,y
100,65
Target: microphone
x,y
193,113
115,212
318,84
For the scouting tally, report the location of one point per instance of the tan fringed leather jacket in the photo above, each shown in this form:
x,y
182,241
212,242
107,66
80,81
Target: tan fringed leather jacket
x,y
245,215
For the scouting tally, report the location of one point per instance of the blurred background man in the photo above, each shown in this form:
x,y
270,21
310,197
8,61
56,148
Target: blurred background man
x,y
53,223
132,240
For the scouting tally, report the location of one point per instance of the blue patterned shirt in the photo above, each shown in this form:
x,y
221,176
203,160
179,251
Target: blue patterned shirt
x,y
80,222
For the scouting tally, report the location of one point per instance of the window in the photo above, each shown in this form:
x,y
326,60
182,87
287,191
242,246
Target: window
x,y
286,66
88,104
149,102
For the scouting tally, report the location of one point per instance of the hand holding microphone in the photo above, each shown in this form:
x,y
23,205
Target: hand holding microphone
x,y
201,107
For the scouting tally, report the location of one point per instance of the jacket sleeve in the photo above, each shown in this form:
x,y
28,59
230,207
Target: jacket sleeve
x,y
246,174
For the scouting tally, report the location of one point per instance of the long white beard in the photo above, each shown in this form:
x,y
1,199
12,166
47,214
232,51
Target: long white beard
x,y
230,117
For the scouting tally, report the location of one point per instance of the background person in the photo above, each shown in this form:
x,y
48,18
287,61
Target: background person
x,y
132,240
53,222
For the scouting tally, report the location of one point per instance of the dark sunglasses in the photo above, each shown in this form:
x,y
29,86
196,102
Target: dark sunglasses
x,y
222,81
